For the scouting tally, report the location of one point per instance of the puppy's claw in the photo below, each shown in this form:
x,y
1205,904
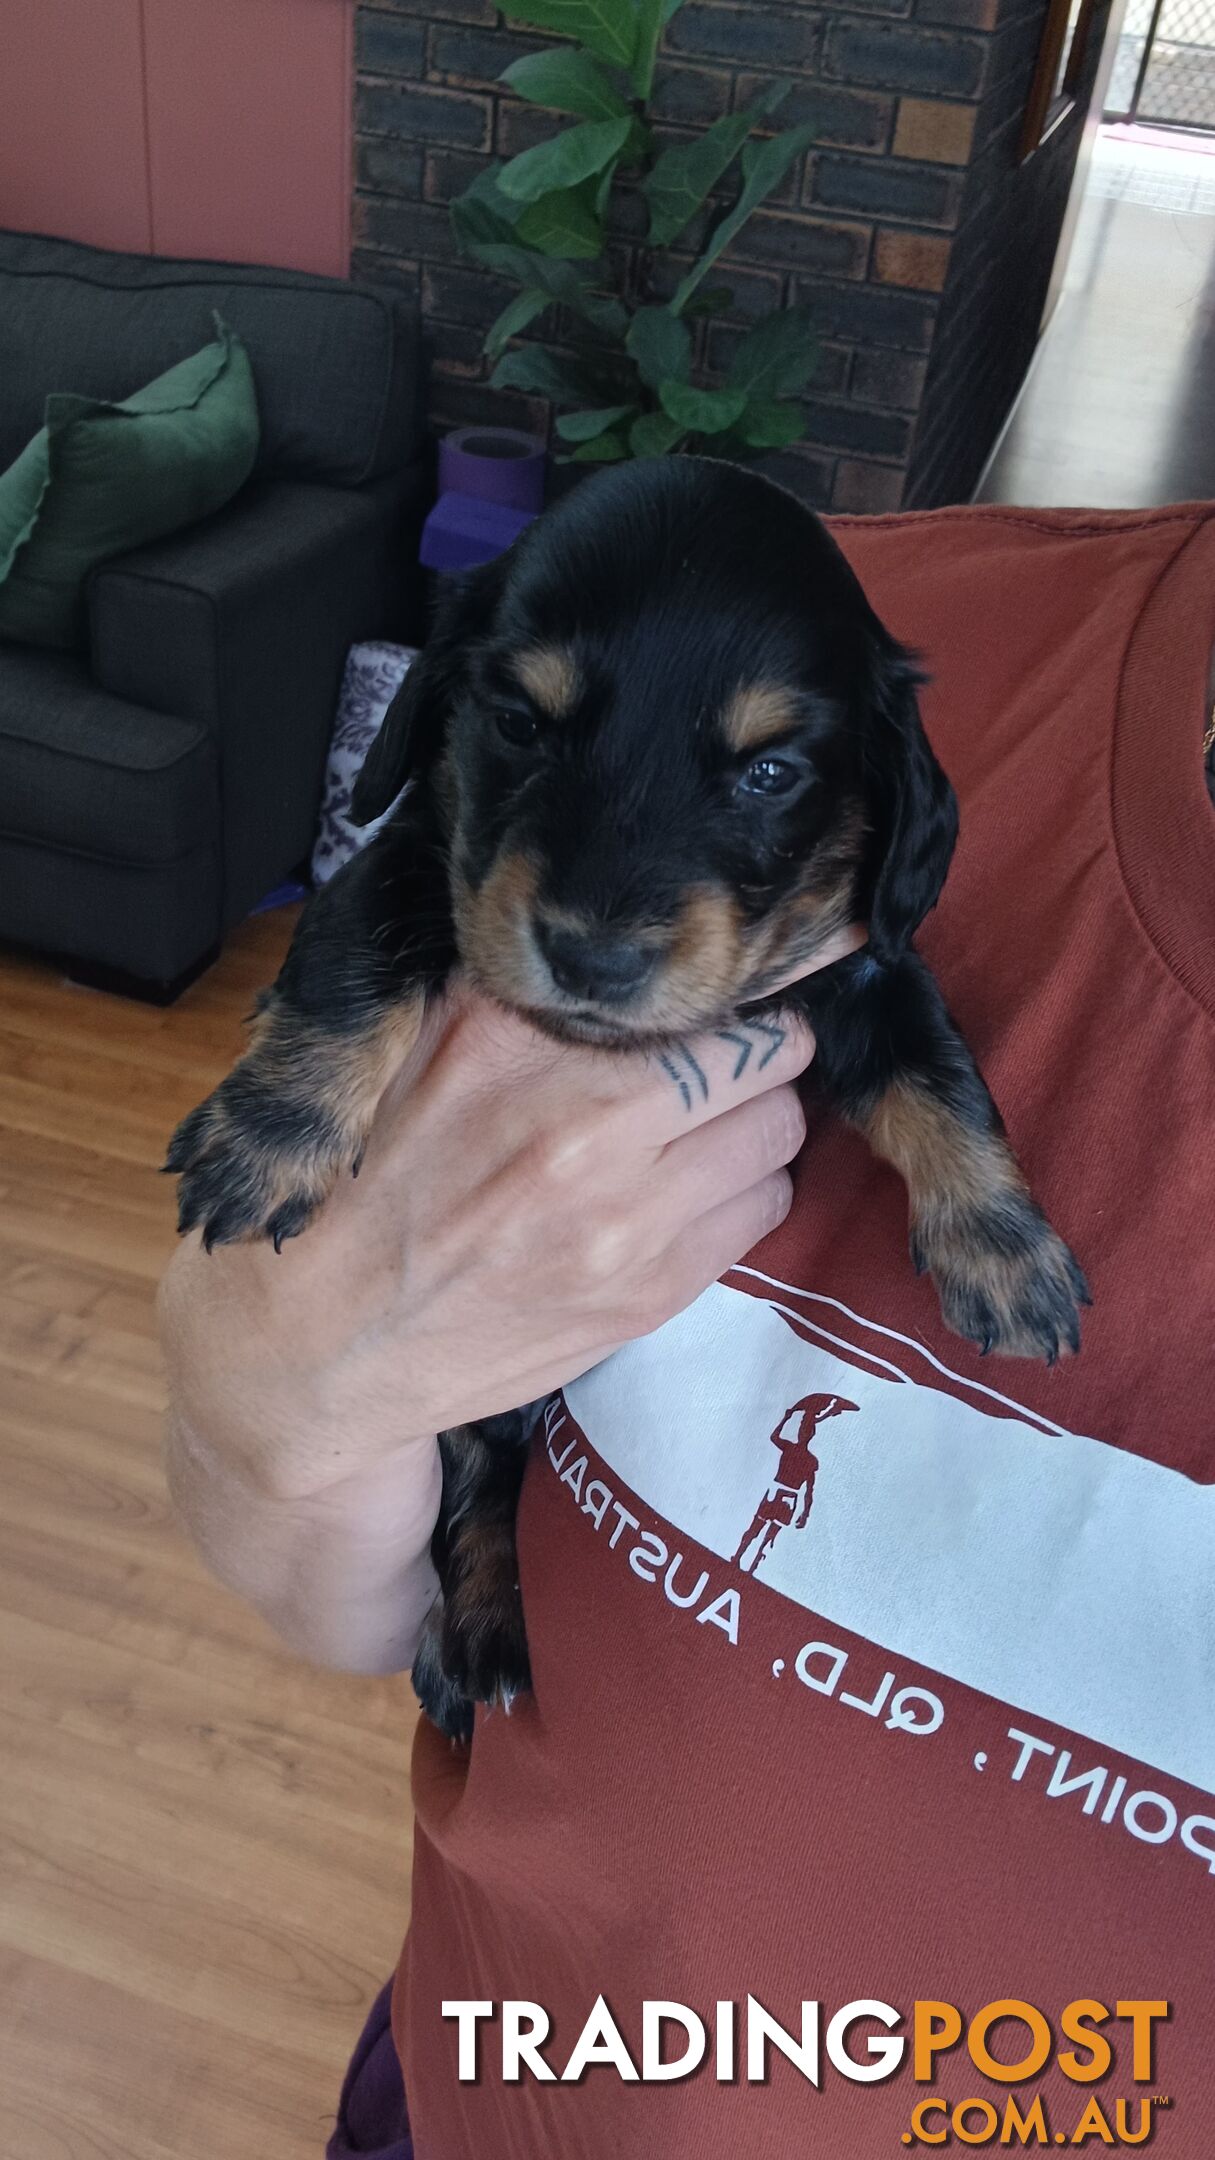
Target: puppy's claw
x,y
289,1220
219,1228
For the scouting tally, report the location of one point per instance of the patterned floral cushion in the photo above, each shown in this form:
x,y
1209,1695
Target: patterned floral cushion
x,y
373,675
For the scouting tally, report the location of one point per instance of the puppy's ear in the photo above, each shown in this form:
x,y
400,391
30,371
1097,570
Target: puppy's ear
x,y
412,730
914,809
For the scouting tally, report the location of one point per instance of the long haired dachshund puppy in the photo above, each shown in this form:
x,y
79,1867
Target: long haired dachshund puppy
x,y
659,753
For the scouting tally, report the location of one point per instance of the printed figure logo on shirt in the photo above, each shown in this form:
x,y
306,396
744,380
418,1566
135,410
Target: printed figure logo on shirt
x,y
840,1464
789,1498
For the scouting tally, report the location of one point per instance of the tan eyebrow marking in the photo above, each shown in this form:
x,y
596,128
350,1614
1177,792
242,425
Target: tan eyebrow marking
x,y
549,676
757,715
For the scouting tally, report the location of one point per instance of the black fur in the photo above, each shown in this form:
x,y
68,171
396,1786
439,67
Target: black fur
x,y
412,731
913,806
471,1652
659,593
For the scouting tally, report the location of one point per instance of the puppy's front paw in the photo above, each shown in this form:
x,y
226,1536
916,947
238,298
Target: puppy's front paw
x,y
260,1155
1006,1280
253,1162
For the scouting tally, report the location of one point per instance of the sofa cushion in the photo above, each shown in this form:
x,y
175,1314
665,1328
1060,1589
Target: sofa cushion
x,y
338,367
100,479
373,675
87,773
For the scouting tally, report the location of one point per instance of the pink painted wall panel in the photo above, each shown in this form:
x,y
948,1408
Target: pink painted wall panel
x,y
249,130
72,145
181,127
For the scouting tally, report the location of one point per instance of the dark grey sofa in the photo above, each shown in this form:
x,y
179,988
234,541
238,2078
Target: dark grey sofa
x,y
156,785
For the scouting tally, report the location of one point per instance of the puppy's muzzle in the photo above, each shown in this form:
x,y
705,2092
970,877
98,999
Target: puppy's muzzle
x,y
599,965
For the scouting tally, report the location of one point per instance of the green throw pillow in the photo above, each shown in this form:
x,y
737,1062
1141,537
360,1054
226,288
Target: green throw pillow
x,y
100,478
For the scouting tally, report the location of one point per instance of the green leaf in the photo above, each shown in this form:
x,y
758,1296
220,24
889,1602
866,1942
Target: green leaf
x,y
640,143
714,300
580,427
765,425
560,279
669,8
530,368
654,434
688,172
702,412
562,224
685,174
606,315
565,160
764,165
660,344
606,27
605,450
564,80
649,32
481,216
515,316
770,99
777,357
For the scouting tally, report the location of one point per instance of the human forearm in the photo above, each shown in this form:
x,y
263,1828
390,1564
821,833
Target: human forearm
x,y
296,1496
344,1575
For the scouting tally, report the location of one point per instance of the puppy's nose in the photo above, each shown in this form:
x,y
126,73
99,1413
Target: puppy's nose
x,y
594,964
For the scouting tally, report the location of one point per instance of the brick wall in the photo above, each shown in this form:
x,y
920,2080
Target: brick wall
x,y
873,228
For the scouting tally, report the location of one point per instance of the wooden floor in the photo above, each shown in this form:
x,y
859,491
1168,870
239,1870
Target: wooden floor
x,y
203,1843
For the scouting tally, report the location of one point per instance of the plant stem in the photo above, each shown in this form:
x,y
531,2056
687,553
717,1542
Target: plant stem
x,y
643,80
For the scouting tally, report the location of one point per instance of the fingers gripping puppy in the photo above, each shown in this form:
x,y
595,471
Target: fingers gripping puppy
x,y
660,754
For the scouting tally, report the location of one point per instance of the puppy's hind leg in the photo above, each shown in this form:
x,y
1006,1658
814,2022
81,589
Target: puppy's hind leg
x,y
474,1646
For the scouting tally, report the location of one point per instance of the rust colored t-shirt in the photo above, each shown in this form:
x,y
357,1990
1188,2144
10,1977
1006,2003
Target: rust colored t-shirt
x,y
948,1732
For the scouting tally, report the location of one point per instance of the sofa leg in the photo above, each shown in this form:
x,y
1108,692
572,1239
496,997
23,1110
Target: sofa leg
x,y
147,990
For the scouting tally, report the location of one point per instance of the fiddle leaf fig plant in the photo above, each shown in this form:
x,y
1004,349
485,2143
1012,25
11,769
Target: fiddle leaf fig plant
x,y
542,222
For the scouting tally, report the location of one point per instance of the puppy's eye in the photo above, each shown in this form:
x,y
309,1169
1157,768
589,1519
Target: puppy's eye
x,y
770,776
520,729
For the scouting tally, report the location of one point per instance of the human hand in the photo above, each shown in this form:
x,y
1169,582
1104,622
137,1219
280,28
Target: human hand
x,y
523,1208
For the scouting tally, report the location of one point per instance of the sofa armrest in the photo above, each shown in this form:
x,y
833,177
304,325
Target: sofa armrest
x,y
242,624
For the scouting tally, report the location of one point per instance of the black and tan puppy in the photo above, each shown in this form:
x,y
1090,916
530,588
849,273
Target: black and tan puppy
x,y
659,753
